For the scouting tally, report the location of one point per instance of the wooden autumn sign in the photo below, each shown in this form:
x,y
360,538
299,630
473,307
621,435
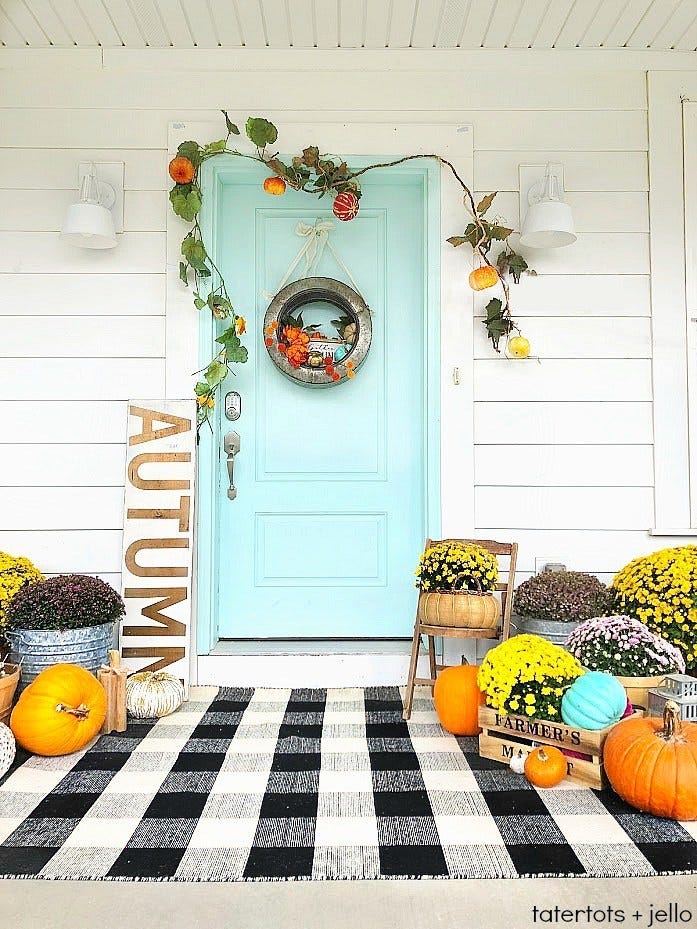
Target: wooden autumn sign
x,y
157,536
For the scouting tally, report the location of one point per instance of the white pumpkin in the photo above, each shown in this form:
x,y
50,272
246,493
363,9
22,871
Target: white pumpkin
x,y
152,694
517,762
7,748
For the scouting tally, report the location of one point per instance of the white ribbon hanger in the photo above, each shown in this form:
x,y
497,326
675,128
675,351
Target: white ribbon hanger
x,y
316,240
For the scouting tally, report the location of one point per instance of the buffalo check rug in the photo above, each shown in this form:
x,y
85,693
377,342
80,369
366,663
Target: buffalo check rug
x,y
266,785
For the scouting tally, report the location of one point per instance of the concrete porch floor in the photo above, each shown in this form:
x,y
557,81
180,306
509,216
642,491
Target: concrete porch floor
x,y
374,904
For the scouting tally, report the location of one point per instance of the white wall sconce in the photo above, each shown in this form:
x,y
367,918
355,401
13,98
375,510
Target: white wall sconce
x,y
547,221
94,220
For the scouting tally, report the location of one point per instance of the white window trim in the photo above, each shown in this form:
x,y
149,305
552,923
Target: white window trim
x,y
666,92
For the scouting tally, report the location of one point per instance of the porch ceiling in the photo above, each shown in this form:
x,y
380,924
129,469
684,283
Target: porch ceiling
x,y
398,24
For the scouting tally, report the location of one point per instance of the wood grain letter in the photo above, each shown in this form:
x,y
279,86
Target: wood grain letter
x,y
155,571
166,655
155,611
160,458
182,514
149,418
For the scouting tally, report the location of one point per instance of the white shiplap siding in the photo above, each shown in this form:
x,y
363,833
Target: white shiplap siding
x,y
563,459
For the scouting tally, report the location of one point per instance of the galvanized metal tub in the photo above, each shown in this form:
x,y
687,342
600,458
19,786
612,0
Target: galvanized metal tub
x,y
37,649
551,629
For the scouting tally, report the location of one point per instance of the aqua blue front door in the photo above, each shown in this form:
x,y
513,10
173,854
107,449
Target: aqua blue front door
x,y
333,484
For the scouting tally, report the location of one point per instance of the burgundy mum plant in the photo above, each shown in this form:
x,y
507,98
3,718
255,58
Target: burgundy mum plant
x,y
71,601
566,596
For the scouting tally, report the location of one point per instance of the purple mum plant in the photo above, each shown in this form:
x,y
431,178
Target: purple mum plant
x,y
624,646
71,601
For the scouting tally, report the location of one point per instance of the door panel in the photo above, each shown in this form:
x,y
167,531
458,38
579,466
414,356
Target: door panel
x,y
323,536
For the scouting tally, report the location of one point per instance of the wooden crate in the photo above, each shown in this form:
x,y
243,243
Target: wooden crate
x,y
504,734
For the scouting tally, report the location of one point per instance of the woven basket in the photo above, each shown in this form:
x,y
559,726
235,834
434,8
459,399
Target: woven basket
x,y
8,685
459,608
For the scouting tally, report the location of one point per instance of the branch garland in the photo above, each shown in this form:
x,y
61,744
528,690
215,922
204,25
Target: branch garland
x,y
319,175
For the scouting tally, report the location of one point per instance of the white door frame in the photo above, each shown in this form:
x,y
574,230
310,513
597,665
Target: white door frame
x,y
452,141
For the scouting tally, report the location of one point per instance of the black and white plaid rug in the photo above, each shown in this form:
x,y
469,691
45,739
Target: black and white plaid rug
x,y
313,785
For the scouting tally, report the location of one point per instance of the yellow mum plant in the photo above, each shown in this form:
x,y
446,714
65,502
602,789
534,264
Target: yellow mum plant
x,y
455,566
15,573
661,590
527,675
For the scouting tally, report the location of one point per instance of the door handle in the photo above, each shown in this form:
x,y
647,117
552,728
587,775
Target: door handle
x,y
231,446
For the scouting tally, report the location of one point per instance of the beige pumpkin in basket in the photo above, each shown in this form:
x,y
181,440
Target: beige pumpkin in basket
x,y
152,694
7,749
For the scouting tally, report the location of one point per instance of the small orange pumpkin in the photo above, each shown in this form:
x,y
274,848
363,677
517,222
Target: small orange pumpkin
x,y
275,186
483,277
60,711
546,766
181,170
652,764
457,699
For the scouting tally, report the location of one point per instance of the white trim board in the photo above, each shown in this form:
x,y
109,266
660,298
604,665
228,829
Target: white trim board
x,y
361,59
668,295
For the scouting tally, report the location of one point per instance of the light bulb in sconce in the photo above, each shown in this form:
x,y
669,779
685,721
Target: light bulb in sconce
x,y
89,222
548,222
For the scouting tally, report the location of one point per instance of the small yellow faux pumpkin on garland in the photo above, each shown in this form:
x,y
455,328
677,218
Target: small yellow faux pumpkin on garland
x,y
60,712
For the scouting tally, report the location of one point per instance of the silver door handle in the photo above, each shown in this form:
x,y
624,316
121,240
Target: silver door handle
x,y
231,446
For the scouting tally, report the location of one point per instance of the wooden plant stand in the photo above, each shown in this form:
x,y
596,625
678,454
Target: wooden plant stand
x,y
509,549
503,735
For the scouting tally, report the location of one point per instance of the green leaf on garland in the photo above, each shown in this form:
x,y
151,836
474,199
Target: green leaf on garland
x,y
310,156
278,166
202,388
485,203
199,302
195,253
192,151
231,127
220,306
499,232
229,339
493,308
261,131
513,262
186,201
214,147
237,355
183,275
456,240
215,373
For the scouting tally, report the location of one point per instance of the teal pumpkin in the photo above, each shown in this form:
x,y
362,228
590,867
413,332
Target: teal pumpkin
x,y
594,701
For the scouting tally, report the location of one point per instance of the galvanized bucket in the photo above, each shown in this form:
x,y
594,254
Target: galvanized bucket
x,y
37,649
551,629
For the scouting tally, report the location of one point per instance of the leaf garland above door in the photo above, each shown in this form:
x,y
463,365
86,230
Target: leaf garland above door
x,y
320,175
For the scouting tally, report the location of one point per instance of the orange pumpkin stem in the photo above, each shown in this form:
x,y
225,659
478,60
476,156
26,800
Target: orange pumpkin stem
x,y
672,724
81,711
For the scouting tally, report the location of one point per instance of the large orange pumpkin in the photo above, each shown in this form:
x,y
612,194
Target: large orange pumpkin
x,y
59,712
457,699
652,764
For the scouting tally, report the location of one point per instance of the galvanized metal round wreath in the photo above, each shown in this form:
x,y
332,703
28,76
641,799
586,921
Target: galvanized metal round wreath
x,y
303,351
318,174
